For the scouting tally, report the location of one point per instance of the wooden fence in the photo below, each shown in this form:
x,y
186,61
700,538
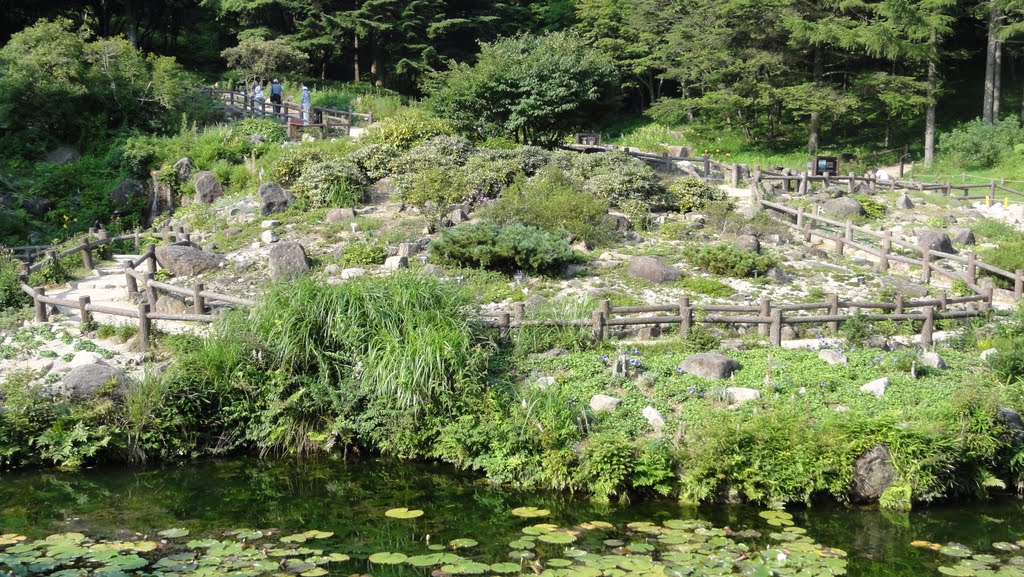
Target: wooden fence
x,y
703,166
328,119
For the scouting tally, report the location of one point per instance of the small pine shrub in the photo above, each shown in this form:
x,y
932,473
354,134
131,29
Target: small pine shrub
x,y
730,260
614,176
505,249
363,253
873,209
692,194
375,160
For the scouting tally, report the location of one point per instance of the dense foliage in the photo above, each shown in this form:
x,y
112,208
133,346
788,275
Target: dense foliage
x,y
508,249
730,260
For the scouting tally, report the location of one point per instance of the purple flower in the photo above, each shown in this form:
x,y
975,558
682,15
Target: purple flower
x,y
691,390
680,371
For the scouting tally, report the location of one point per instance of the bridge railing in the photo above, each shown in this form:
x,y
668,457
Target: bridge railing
x,y
329,119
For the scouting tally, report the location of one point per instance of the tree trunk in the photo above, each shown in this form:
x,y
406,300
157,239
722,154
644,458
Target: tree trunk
x,y
131,23
814,126
990,64
929,119
377,66
997,81
355,57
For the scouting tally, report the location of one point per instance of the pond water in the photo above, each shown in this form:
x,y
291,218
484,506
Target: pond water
x,y
349,499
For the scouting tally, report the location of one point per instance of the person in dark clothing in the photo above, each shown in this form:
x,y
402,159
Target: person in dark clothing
x,y
275,95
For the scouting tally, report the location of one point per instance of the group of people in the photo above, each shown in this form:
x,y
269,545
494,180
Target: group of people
x,y
276,95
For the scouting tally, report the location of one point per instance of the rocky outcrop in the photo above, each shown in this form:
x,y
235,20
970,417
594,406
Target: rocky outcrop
x,y
87,382
963,236
709,366
652,270
208,188
740,395
288,260
274,199
186,260
832,356
843,206
873,473
126,191
935,240
336,215
876,387
748,242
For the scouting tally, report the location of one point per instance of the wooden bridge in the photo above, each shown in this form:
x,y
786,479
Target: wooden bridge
x,y
328,120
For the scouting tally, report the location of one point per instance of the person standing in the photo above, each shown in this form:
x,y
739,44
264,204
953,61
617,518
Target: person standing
x,y
307,103
276,92
257,97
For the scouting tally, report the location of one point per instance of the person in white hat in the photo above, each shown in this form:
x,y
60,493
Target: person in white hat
x,y
307,103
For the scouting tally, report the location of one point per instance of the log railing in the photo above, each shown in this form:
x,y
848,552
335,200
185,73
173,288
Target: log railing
x,y
329,119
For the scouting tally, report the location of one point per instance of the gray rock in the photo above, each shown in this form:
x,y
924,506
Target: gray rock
x,y
37,206
183,169
457,216
233,231
654,418
740,395
288,260
902,286
351,273
208,188
170,304
788,333
599,403
62,155
617,222
1012,421
748,242
648,333
935,240
430,269
88,382
832,356
776,275
652,270
873,473
269,237
332,269
126,190
904,202
382,191
408,249
336,215
933,360
545,382
876,387
844,206
396,263
710,366
270,224
963,236
987,353
85,358
186,260
274,199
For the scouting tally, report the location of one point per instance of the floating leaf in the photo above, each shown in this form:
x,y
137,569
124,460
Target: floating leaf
x,y
955,550
173,533
558,538
591,525
958,571
557,562
462,543
1004,546
11,539
403,513
522,544
316,572
424,560
505,567
201,543
318,534
466,568
338,557
388,558
539,529
530,512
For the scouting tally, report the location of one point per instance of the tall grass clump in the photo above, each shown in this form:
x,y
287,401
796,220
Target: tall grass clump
x,y
539,338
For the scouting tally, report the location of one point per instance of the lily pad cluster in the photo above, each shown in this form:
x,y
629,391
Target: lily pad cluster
x,y
974,564
593,549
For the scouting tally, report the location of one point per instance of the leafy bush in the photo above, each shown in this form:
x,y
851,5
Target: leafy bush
x,y
363,253
11,294
1008,255
375,160
270,130
615,176
730,260
407,129
551,201
692,194
873,209
707,286
433,190
638,213
506,249
331,183
534,339
976,144
435,152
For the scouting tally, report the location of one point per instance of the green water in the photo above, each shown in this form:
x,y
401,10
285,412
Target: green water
x,y
349,499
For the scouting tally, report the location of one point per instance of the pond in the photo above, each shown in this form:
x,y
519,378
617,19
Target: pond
x,y
349,499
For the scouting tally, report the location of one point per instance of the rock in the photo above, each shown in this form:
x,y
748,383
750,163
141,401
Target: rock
x,y
987,353
186,260
935,240
788,333
257,139
382,191
710,366
877,342
933,360
233,231
408,249
583,246
183,169
274,199
740,395
37,206
963,236
332,269
873,473
535,300
62,155
902,286
351,273
457,216
552,353
776,275
648,333
336,215
748,242
126,190
270,224
88,382
1012,421
269,237
83,358
832,356
396,263
169,304
599,403
652,270
654,418
876,387
843,206
430,269
544,382
617,222
287,260
904,202
208,188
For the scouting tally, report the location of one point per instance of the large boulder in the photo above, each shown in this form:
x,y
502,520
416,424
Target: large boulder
x,y
710,366
127,190
748,242
935,241
62,155
183,169
288,260
740,395
208,188
382,191
963,236
336,215
843,206
904,202
876,387
186,260
599,403
1012,421
832,356
904,287
652,270
873,473
37,206
170,304
274,199
89,381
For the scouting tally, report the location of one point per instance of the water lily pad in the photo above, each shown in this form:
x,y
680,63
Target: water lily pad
x,y
957,571
522,544
640,547
505,567
539,529
424,560
173,533
388,558
127,562
462,543
201,543
296,538
315,572
558,538
338,557
591,525
68,537
318,534
11,539
248,534
1004,546
955,550
436,547
403,513
466,567
558,562
614,542
529,512
298,566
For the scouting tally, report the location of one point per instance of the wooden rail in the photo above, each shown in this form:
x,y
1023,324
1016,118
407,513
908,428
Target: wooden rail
x,y
294,115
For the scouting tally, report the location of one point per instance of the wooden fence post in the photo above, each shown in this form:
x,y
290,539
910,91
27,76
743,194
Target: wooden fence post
x,y
106,252
166,235
198,302
597,324
926,264
518,311
851,183
87,256
1018,284
800,217
849,230
807,231
707,167
83,312
40,306
883,259
686,316
766,310
151,261
840,244
987,290
898,301
803,184
145,326
833,309
942,300
735,175
503,326
776,327
606,309
928,327
137,239
972,268
150,289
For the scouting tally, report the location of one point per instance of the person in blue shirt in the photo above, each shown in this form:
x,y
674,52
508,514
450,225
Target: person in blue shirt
x,y
306,103
276,93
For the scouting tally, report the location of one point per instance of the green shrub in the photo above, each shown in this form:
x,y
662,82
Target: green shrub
x,y
489,172
981,145
363,253
730,260
407,129
433,190
535,339
331,183
270,130
638,212
506,249
442,151
707,286
614,176
375,160
873,209
11,295
691,194
1008,255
